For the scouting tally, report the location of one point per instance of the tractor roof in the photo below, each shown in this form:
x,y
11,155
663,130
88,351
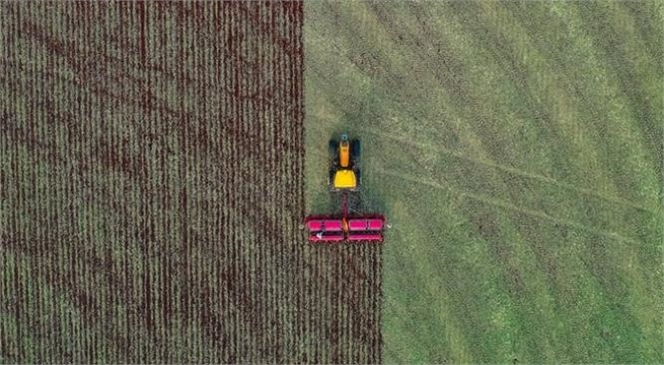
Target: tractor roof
x,y
345,179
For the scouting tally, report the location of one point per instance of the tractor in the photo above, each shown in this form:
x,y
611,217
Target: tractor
x,y
345,172
345,178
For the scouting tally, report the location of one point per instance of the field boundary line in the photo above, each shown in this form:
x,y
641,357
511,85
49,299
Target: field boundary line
x,y
513,170
509,206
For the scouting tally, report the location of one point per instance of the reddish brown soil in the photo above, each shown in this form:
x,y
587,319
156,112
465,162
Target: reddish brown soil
x,y
151,189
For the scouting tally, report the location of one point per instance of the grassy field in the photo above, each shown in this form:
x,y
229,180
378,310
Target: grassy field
x,y
516,149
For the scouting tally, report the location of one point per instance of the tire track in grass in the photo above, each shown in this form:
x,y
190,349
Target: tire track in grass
x,y
526,194
510,206
615,200
627,202
490,44
490,163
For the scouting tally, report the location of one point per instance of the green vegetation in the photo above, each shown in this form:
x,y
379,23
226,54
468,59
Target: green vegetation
x,y
517,149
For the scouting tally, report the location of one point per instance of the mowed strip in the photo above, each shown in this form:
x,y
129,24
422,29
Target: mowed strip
x,y
152,191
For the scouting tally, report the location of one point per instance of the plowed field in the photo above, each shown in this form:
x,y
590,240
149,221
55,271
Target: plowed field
x,y
152,189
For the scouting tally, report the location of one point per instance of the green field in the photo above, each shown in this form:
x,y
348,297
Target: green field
x,y
517,151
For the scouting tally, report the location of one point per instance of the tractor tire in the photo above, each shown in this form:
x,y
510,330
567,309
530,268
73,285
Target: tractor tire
x,y
333,144
358,175
330,181
355,148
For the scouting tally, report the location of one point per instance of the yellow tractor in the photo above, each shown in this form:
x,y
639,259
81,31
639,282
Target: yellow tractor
x,y
345,172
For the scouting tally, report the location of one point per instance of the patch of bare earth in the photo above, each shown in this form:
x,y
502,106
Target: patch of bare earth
x,y
152,189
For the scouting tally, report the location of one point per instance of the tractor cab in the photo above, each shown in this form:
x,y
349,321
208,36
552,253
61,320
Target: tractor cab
x,y
345,174
344,179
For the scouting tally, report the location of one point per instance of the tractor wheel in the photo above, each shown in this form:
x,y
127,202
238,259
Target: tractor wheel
x,y
332,146
355,148
331,179
358,175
